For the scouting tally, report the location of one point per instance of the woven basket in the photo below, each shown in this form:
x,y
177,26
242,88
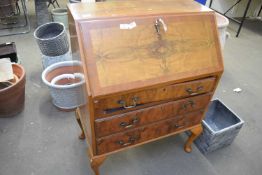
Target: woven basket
x,y
52,39
49,60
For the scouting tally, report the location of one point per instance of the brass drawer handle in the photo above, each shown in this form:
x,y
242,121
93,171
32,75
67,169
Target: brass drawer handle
x,y
129,125
177,126
189,102
131,140
123,103
122,143
198,90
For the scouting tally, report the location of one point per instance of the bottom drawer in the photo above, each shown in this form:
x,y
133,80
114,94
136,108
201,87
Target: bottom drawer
x,y
148,132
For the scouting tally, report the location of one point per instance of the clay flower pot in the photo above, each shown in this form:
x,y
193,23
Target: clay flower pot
x,y
66,84
12,98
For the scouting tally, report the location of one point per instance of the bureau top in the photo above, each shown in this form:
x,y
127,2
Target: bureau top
x,y
164,45
120,8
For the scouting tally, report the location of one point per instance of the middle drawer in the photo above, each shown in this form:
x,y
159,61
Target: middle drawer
x,y
118,123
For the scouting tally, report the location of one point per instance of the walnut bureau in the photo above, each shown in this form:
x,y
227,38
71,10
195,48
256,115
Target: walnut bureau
x,y
150,67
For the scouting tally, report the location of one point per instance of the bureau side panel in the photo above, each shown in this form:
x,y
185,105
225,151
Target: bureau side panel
x,y
86,114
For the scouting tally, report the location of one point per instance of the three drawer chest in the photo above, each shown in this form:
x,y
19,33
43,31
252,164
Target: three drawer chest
x,y
151,69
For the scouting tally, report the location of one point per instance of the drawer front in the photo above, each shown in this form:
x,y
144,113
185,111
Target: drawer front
x,y
123,103
133,119
148,132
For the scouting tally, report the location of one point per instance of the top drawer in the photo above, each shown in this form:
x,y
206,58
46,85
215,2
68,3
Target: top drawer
x,y
133,101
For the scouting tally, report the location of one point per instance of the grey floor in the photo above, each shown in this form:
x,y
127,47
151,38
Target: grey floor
x,y
42,140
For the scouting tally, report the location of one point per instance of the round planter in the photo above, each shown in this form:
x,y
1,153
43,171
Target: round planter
x,y
52,39
66,92
12,98
60,15
74,1
48,60
222,23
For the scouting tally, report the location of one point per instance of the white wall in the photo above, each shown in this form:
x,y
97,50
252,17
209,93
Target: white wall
x,y
238,11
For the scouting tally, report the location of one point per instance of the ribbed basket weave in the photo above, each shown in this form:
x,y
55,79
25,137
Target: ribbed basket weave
x,y
52,39
49,60
220,127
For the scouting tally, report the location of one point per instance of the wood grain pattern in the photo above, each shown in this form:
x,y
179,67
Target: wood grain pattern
x,y
112,104
125,139
157,71
134,119
156,58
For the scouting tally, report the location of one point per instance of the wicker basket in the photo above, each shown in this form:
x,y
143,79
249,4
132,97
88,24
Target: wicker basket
x,y
220,127
48,60
52,39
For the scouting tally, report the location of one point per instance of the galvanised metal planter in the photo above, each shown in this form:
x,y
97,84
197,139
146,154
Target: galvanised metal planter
x,y
52,39
60,15
220,127
65,82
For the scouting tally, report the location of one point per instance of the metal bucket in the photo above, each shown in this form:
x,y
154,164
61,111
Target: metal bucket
x,y
52,39
60,15
66,91
220,127
12,98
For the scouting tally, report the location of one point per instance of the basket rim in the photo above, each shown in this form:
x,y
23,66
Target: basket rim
x,y
49,23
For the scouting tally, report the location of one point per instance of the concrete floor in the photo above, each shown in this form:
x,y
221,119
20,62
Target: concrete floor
x,y
42,140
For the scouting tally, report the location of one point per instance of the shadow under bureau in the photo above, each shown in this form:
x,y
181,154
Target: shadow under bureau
x,y
151,69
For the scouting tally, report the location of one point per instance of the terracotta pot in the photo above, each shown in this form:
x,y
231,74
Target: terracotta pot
x,y
66,83
12,98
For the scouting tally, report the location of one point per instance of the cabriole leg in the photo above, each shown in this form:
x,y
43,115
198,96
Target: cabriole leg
x,y
96,162
77,114
195,132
